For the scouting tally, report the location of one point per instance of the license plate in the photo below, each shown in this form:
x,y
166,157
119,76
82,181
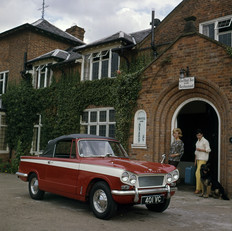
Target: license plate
x,y
153,199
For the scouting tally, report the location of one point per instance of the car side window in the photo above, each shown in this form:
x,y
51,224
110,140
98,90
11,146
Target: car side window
x,y
73,153
63,149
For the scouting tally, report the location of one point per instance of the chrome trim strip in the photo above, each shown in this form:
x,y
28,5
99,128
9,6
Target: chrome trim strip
x,y
137,192
21,174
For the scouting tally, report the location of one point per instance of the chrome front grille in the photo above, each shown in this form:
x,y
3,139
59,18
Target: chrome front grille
x,y
150,181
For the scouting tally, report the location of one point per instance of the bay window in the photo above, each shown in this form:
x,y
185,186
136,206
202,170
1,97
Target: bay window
x,y
42,76
98,65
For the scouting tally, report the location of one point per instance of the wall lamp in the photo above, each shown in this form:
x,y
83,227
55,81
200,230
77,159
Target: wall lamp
x,y
184,72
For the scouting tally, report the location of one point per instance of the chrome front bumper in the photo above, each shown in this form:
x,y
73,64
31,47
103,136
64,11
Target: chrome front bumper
x,y
21,174
167,189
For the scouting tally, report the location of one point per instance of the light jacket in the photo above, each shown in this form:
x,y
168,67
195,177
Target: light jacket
x,y
202,144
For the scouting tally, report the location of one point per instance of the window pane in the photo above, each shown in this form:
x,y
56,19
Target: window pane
x,y
102,130
208,30
102,116
224,24
95,70
111,130
42,79
104,71
112,116
6,79
93,130
73,154
225,39
105,54
86,67
114,64
63,149
1,87
48,77
93,116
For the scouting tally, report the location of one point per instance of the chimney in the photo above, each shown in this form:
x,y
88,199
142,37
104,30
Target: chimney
x,y
190,24
77,32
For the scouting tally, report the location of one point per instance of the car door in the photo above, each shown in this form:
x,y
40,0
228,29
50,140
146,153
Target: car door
x,y
63,169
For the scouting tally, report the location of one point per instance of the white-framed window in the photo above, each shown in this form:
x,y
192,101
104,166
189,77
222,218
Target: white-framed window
x,y
98,65
99,121
3,127
219,29
35,146
140,124
42,76
3,81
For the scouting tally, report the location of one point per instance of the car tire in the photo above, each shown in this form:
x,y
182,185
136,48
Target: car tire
x,y
159,207
101,201
33,187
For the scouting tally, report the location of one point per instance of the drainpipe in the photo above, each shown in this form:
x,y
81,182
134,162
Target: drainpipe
x,y
153,33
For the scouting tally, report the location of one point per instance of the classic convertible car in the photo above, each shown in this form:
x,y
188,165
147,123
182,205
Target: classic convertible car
x,y
97,169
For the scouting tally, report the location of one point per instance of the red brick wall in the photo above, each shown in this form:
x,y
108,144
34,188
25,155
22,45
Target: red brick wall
x,y
160,97
173,25
13,47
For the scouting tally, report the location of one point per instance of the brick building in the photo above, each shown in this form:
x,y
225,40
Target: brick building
x,y
194,40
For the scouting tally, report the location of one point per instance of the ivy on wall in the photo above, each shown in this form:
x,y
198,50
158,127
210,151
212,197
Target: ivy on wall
x,y
22,104
62,104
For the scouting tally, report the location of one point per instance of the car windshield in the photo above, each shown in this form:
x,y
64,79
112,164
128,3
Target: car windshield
x,y
101,148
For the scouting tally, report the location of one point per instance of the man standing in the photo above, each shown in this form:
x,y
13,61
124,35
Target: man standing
x,y
201,157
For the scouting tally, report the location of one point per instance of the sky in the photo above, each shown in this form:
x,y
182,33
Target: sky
x,y
99,18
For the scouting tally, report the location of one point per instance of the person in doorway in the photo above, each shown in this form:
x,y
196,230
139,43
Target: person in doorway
x,y
177,148
201,157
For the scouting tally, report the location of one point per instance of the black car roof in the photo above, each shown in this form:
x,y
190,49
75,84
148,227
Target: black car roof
x,y
48,151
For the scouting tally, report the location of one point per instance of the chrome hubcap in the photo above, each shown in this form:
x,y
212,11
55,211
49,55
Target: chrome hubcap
x,y
34,186
100,201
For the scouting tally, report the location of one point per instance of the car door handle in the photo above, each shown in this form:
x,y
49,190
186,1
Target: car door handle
x,y
50,162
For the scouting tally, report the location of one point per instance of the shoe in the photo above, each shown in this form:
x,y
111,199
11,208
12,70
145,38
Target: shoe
x,y
197,192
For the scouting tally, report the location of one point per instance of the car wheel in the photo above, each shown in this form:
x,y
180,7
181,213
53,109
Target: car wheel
x,y
101,201
33,186
159,207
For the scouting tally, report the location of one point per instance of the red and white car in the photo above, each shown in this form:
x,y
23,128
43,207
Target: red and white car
x,y
97,169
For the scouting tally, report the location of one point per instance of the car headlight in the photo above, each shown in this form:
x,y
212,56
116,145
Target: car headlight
x,y
125,177
133,179
175,175
169,178
128,178
172,176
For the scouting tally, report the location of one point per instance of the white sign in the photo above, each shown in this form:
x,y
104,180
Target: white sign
x,y
186,83
141,121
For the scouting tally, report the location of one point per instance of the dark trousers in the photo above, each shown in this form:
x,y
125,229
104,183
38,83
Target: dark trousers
x,y
175,163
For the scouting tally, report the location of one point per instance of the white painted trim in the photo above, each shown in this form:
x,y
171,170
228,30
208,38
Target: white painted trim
x,y
174,123
101,169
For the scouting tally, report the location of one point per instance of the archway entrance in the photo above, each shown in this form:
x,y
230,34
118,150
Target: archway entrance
x,y
199,114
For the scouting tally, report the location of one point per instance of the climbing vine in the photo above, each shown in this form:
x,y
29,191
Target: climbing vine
x,y
62,104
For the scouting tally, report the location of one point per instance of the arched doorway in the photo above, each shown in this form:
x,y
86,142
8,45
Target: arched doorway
x,y
199,113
